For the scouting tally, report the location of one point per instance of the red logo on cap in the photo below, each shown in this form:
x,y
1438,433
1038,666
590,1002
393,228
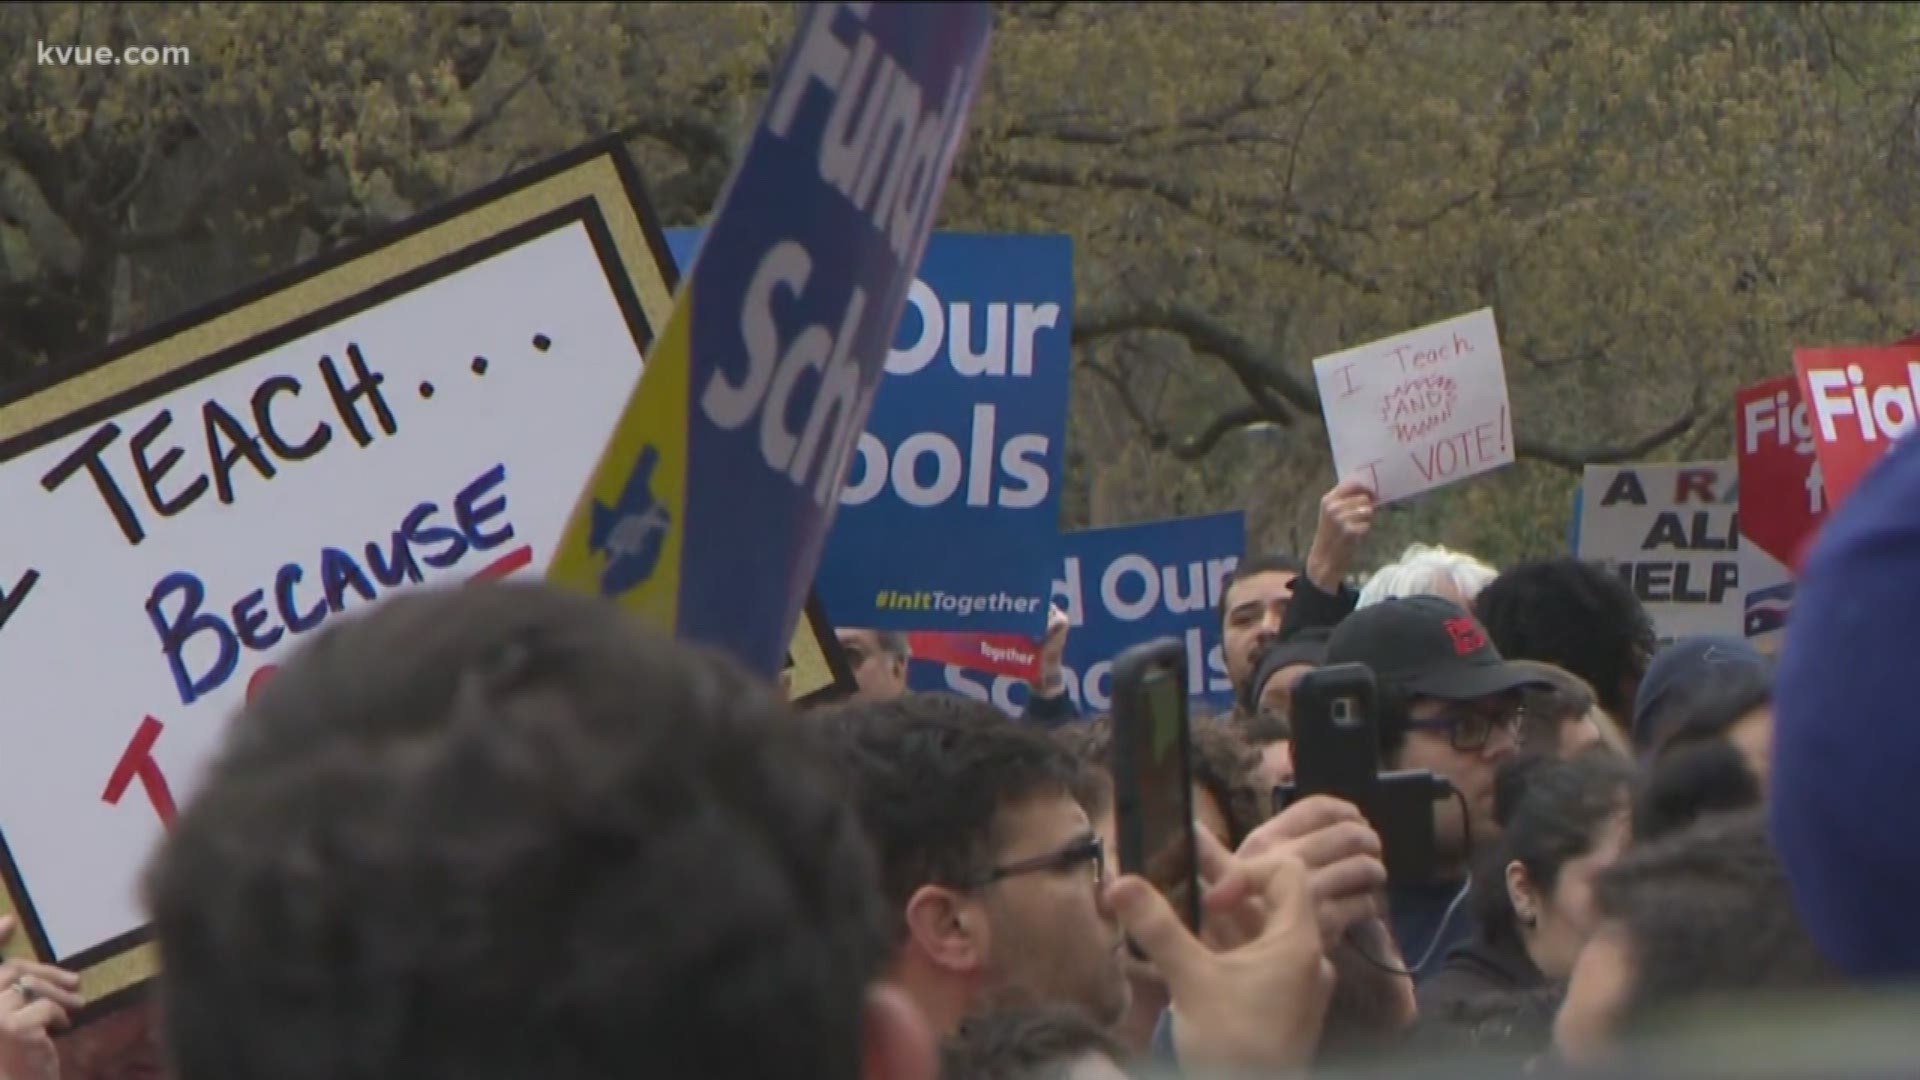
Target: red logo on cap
x,y
1467,636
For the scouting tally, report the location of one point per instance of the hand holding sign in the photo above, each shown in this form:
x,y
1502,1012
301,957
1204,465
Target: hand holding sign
x,y
26,1047
1419,410
1053,651
1346,517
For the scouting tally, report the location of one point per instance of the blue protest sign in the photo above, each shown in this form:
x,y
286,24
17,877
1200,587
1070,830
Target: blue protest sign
x,y
1119,587
753,398
951,504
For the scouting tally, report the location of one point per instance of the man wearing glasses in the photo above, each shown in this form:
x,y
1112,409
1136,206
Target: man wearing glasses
x,y
1448,703
991,867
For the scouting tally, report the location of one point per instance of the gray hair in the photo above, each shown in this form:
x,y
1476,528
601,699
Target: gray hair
x,y
1427,570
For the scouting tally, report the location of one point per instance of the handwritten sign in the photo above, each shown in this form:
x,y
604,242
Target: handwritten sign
x,y
1419,410
1862,400
1673,533
710,504
417,411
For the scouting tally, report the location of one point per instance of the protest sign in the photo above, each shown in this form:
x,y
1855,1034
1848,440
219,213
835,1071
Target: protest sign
x,y
1782,498
951,505
768,365
417,410
1419,410
1672,532
1862,399
1119,587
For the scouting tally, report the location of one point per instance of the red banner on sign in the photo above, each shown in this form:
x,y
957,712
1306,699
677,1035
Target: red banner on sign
x,y
1782,497
1860,400
996,654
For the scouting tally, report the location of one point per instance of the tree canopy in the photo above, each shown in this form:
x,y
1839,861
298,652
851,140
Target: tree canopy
x,y
1659,201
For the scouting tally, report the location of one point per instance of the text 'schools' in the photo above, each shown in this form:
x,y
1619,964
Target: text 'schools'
x,y
755,397
948,517
1121,586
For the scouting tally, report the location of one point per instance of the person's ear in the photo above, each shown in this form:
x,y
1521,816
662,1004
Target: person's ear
x,y
895,1041
1526,905
948,928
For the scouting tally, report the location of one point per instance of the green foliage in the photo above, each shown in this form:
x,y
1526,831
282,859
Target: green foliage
x,y
1659,201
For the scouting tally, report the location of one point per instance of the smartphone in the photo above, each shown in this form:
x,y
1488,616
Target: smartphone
x,y
1153,772
1336,752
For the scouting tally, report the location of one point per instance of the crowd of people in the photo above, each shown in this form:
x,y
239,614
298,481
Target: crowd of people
x,y
506,831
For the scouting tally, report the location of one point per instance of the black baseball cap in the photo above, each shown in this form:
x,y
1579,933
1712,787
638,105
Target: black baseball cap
x,y
1429,647
1305,647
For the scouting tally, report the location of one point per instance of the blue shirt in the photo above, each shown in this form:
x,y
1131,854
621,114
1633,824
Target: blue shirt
x,y
1427,922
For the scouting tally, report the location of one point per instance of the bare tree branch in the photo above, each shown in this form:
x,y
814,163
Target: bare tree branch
x,y
1123,393
1303,250
191,219
1429,219
1249,100
1575,461
699,141
1278,393
1300,134
1278,396
481,120
147,155
23,200
1201,443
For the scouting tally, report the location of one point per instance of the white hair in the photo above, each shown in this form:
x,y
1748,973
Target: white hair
x,y
1425,570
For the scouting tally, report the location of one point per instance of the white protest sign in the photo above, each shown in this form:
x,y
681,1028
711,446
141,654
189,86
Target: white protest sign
x,y
421,413
1419,410
1673,533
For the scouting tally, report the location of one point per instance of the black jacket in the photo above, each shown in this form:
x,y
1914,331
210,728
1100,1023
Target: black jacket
x,y
1476,967
1488,997
1313,609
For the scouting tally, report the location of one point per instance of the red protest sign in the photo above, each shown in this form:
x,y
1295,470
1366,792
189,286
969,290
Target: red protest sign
x,y
1782,497
1861,400
995,654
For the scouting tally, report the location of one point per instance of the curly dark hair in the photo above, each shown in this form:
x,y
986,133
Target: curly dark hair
x,y
930,775
1696,780
1708,912
1225,765
1577,615
1270,563
506,831
1024,1042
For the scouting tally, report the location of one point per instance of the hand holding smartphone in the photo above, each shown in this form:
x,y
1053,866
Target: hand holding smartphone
x,y
1153,773
1336,752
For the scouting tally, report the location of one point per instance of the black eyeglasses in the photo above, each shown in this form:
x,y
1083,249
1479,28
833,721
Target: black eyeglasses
x,y
1070,857
1470,732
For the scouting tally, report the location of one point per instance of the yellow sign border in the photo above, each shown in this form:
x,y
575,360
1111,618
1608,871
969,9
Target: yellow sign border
x,y
596,182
